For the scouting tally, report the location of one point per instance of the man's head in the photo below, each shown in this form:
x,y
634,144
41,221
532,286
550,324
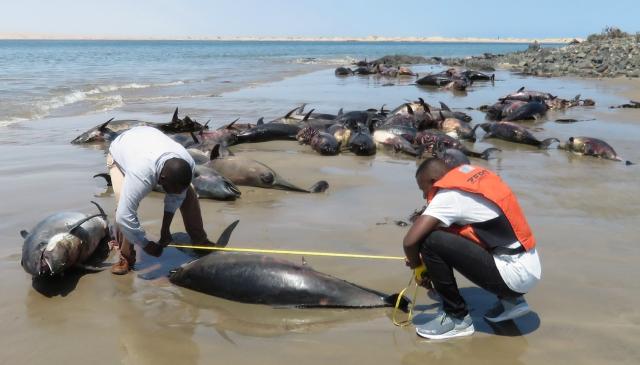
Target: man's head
x,y
175,176
430,171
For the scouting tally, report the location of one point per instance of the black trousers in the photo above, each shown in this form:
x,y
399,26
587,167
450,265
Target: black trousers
x,y
442,252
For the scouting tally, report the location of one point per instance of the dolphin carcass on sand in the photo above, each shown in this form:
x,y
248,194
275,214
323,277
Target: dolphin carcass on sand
x,y
248,172
61,241
109,130
259,279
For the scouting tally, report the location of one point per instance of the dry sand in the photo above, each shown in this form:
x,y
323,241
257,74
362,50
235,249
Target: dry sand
x,y
584,212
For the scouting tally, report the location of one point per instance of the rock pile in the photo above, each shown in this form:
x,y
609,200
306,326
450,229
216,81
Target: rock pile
x,y
612,53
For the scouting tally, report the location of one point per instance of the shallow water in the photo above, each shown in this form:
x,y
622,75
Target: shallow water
x,y
582,210
64,78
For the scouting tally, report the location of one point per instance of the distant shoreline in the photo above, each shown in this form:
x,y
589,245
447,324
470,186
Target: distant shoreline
x,y
36,36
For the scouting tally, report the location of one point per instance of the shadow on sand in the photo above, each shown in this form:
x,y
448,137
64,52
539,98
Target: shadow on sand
x,y
479,302
65,283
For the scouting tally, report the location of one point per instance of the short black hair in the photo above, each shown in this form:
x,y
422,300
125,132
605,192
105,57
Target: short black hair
x,y
177,172
427,164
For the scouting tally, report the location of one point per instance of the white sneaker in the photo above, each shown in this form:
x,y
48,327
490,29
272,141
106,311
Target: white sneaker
x,y
444,326
508,309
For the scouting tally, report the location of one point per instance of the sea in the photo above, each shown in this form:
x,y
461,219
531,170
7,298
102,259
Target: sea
x,y
56,78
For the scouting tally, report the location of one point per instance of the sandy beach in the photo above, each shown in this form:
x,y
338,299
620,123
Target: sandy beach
x,y
583,211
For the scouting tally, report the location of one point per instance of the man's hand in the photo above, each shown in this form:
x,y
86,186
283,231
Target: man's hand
x,y
153,249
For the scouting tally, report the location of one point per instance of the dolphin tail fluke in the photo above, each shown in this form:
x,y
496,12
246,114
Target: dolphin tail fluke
x,y
105,176
547,142
401,301
486,154
319,187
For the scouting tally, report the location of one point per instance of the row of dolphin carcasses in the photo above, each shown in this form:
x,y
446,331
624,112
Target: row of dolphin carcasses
x,y
416,129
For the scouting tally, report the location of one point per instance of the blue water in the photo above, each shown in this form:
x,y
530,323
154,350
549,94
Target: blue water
x,y
53,78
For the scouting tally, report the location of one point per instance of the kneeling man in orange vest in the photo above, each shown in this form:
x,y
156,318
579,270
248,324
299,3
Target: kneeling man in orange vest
x,y
473,224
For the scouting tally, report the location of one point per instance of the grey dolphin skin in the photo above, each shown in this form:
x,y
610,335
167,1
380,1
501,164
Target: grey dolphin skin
x,y
361,143
61,241
269,132
512,132
245,171
259,279
209,184
530,110
589,146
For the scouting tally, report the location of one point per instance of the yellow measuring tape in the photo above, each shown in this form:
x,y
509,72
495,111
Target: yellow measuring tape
x,y
290,252
407,321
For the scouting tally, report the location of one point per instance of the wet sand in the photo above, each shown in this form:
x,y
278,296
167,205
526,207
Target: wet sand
x,y
584,212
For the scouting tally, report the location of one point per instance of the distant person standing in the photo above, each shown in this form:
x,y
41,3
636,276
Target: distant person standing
x,y
473,224
138,160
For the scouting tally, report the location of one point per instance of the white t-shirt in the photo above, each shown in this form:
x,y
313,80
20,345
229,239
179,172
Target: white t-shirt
x,y
141,153
520,272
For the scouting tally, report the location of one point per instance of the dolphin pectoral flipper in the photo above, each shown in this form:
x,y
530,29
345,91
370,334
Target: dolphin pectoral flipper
x,y
83,220
100,209
105,176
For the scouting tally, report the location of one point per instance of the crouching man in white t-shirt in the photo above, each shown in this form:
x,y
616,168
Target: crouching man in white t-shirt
x,y
473,224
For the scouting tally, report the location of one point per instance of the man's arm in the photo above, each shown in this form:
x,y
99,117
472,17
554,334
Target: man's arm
x,y
165,231
418,232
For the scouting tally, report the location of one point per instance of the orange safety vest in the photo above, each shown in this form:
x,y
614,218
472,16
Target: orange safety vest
x,y
478,180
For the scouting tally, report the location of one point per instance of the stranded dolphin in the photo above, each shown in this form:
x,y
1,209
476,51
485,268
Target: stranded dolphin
x,y
61,241
259,279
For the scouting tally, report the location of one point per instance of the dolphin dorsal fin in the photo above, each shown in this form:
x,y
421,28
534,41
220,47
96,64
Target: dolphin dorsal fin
x,y
24,233
341,111
103,126
291,112
520,90
194,137
306,117
175,119
425,106
409,108
231,124
382,108
577,98
444,106
260,121
215,152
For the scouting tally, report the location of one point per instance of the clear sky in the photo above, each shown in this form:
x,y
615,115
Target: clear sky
x,y
356,18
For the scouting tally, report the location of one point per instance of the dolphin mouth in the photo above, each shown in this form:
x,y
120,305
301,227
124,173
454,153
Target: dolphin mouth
x,y
45,266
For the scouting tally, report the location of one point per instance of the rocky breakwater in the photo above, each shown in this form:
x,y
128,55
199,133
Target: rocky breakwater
x,y
610,54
